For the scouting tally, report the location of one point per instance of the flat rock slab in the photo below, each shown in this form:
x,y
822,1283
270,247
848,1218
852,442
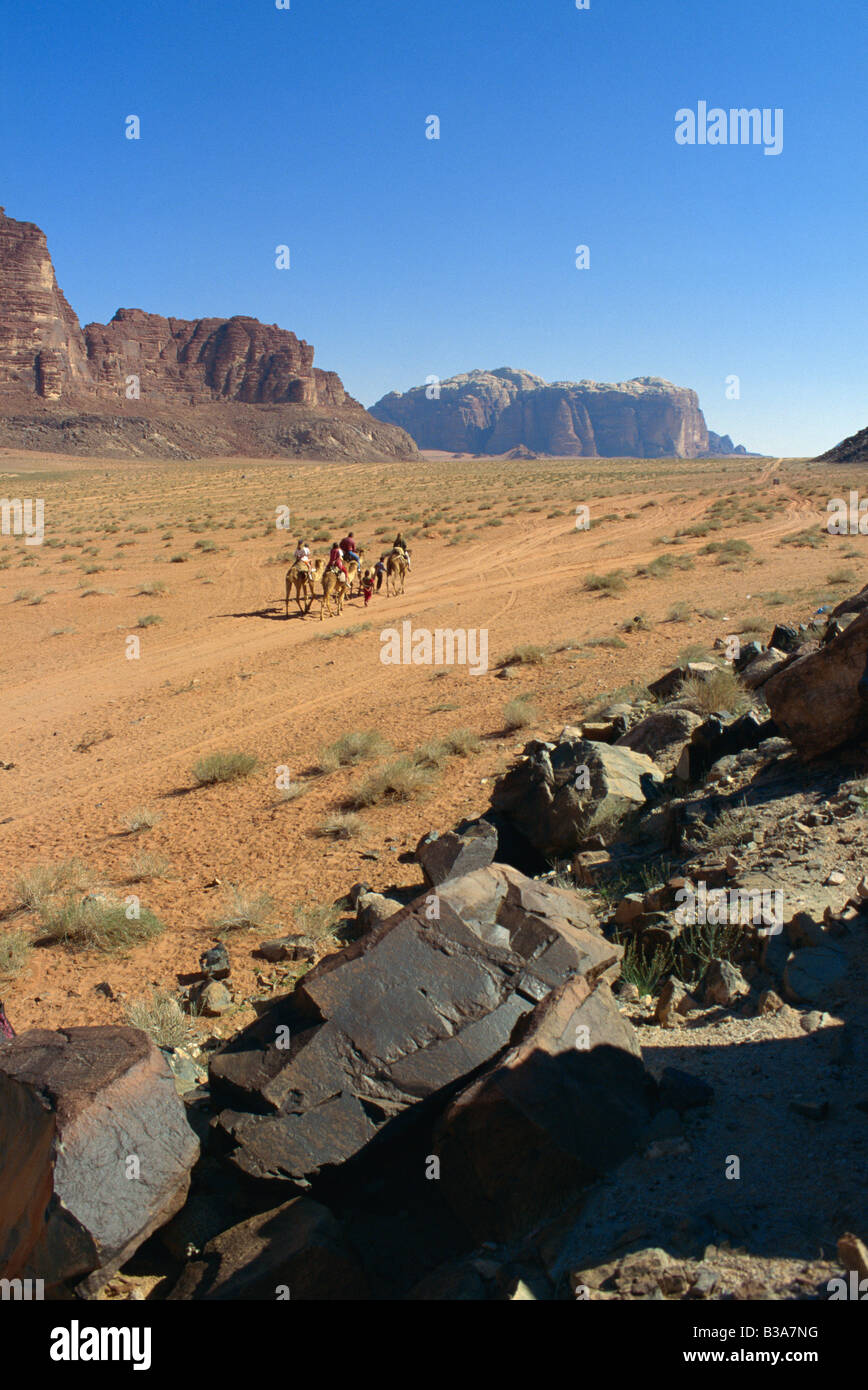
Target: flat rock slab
x,y
296,1251
413,1007
564,1105
661,735
471,846
95,1152
816,700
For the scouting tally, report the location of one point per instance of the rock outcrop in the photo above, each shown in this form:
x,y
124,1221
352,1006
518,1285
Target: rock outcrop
x,y
145,385
95,1152
504,411
820,701
854,449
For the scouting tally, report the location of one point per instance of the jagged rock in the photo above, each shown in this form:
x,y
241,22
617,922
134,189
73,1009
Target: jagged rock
x,y
564,1105
299,947
95,1152
211,998
295,1251
724,984
748,652
673,1002
471,846
215,962
819,701
758,671
811,975
662,735
496,412
545,795
411,1008
717,738
786,638
372,908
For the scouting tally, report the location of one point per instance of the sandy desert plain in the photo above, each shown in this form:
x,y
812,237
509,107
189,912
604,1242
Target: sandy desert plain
x,y
187,557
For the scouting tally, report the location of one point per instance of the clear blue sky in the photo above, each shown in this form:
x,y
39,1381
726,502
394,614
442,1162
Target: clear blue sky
x,y
413,257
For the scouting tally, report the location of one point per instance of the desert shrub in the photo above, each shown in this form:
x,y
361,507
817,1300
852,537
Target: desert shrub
x,y
644,970
608,641
15,947
152,589
352,748
841,576
316,919
98,922
519,713
612,583
161,1018
403,779
341,825
722,690
462,742
147,866
246,908
223,767
43,881
142,818
679,613
529,654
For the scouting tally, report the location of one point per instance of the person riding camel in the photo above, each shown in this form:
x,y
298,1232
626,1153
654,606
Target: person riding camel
x,y
336,560
348,546
302,554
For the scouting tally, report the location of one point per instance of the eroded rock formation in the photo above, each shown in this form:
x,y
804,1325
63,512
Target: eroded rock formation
x,y
501,411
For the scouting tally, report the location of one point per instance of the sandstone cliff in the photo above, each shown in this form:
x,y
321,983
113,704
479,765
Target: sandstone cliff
x,y
144,384
500,411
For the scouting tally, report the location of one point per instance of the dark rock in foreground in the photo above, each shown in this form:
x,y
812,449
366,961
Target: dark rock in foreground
x,y
295,1251
565,1105
411,1009
95,1152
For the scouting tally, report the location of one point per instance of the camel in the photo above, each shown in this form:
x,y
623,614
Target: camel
x,y
396,570
333,585
300,578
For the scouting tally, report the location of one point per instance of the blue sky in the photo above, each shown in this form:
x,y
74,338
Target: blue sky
x,y
412,257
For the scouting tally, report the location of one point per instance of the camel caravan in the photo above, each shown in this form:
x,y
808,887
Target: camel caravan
x,y
331,578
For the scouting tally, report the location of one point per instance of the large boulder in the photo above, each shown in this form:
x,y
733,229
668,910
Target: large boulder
x,y
821,701
559,792
95,1152
410,1009
563,1106
296,1251
661,735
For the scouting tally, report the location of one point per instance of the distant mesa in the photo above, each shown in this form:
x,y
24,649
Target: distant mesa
x,y
202,386
852,450
505,411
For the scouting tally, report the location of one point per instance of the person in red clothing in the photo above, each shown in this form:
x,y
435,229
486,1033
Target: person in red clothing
x,y
367,585
336,559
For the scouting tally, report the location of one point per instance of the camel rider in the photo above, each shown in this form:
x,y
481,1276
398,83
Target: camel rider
x,y
348,546
302,554
336,560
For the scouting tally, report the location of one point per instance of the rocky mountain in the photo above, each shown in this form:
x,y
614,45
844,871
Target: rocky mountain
x,y
499,411
851,450
144,384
